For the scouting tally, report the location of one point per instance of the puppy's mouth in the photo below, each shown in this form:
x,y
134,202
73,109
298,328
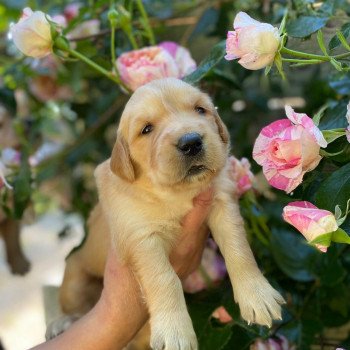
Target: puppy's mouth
x,y
196,169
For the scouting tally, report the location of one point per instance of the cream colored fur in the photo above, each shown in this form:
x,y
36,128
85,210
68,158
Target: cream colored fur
x,y
145,190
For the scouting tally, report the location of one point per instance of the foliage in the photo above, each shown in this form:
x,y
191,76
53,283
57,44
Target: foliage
x,y
315,285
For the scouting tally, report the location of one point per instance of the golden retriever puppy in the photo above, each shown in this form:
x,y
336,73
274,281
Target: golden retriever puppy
x,y
10,228
171,145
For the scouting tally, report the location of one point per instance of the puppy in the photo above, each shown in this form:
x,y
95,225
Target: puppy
x,y
10,228
171,145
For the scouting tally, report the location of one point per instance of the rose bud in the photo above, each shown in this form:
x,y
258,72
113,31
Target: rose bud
x,y
241,174
253,42
309,220
32,34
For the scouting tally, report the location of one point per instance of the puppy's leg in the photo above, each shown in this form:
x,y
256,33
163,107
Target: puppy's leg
x,y
258,301
171,325
18,262
79,291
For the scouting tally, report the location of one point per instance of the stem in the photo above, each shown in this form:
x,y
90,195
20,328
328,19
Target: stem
x,y
113,56
295,60
146,22
342,55
131,39
304,54
93,65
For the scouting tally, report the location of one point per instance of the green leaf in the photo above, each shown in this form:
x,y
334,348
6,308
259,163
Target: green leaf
x,y
335,42
240,339
292,255
332,135
8,100
335,190
317,117
340,236
337,65
206,23
321,43
343,41
215,337
324,240
331,269
304,26
323,153
201,306
334,116
210,334
278,62
215,56
302,331
341,84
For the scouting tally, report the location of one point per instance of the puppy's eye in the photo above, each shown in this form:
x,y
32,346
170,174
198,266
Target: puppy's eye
x,y
200,110
147,129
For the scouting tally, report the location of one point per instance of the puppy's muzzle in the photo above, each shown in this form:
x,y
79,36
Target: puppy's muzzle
x,y
190,144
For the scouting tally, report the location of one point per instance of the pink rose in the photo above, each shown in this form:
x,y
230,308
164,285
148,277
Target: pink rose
x,y
278,342
309,220
139,67
287,149
241,174
253,42
182,57
32,34
71,11
211,270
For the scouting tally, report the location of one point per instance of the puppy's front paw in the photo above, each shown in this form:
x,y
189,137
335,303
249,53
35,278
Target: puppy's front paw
x,y
172,332
259,302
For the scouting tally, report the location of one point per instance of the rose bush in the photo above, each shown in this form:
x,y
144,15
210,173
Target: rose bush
x,y
63,136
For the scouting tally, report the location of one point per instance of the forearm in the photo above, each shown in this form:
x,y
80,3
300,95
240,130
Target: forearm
x,y
98,329
112,323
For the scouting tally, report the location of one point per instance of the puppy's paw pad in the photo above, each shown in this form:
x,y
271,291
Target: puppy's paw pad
x,y
59,326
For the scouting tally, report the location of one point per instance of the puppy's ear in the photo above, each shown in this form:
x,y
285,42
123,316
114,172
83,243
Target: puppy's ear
x,y
121,164
223,132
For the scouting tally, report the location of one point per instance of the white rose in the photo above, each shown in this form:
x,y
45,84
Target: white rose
x,y
253,42
32,34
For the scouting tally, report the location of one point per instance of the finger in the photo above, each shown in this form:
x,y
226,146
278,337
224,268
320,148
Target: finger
x,y
196,217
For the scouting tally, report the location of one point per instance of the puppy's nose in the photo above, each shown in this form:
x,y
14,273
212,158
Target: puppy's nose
x,y
190,144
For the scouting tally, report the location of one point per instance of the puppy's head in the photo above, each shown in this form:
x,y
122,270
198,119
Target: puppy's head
x,y
169,133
